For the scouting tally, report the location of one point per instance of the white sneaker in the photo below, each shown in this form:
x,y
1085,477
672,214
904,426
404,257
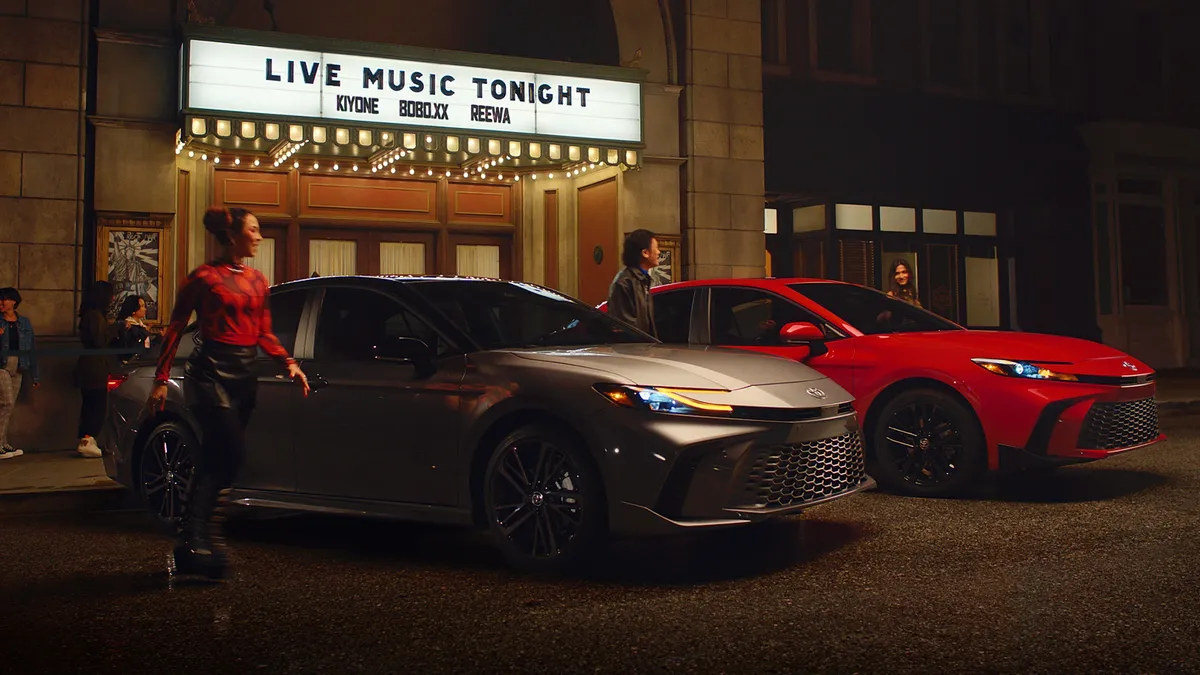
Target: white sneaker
x,y
8,452
88,448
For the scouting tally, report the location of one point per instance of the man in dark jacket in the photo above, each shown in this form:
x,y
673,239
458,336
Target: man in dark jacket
x,y
629,295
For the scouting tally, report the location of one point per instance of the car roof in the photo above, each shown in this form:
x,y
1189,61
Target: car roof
x,y
759,282
402,278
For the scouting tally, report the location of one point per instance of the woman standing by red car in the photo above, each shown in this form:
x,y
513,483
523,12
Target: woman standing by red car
x,y
231,302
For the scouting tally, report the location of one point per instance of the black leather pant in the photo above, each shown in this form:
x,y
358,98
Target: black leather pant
x,y
221,390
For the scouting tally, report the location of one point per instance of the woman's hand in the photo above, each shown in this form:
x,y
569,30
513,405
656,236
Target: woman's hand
x,y
295,372
158,398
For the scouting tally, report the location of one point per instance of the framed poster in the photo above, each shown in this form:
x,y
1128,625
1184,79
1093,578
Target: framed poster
x,y
133,254
669,263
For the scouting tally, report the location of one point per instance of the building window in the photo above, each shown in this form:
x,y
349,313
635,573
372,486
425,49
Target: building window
x,y
1103,258
853,217
774,32
856,261
840,36
897,219
1143,242
810,259
939,221
946,61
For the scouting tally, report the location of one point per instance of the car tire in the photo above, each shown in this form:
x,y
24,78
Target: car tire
x,y
547,516
164,472
927,443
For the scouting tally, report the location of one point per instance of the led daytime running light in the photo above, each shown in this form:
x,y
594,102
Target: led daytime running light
x,y
1023,369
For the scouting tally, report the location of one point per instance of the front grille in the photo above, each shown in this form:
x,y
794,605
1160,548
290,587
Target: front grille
x,y
1109,426
794,474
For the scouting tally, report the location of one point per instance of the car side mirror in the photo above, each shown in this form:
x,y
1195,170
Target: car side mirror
x,y
407,350
804,333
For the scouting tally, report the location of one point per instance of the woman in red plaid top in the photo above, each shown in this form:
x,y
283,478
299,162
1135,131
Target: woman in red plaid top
x,y
230,300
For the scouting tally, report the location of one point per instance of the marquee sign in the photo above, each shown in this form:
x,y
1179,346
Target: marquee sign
x,y
253,79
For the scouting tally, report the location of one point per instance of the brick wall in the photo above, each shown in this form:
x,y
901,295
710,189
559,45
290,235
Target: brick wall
x,y
40,164
725,139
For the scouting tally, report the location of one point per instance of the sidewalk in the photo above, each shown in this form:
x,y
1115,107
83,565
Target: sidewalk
x,y
38,482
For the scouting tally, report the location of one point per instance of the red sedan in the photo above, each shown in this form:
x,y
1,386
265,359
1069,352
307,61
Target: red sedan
x,y
939,404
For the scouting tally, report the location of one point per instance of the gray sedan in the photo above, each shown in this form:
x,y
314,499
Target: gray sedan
x,y
507,406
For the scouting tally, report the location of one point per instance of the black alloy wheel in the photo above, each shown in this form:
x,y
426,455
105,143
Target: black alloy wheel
x,y
165,472
927,444
543,500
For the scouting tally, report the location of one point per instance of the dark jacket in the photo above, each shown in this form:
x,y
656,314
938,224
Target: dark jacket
x,y
629,299
131,337
91,371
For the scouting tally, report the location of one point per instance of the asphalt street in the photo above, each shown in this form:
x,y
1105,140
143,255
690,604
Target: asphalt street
x,y
1092,569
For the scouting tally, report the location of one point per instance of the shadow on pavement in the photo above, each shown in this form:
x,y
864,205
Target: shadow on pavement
x,y
668,561
1072,484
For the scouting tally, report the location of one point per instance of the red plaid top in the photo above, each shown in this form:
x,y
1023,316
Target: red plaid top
x,y
231,301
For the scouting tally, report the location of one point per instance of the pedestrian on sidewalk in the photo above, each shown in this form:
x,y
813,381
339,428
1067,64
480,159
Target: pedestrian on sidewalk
x,y
629,294
92,370
17,358
231,301
132,333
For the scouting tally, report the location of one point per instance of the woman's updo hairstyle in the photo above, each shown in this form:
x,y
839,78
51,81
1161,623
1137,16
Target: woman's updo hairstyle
x,y
223,223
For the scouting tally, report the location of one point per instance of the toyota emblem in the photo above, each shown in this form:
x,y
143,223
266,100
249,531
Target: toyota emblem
x,y
816,393
1129,365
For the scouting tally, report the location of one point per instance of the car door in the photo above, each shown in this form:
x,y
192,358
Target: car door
x,y
270,462
375,429
750,318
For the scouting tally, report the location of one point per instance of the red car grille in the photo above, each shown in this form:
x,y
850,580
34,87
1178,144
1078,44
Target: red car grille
x,y
1111,426
793,474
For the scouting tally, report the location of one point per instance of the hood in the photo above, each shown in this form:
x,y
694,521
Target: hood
x,y
1070,355
683,367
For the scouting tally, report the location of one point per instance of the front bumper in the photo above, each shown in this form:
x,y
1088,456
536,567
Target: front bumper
x,y
1089,426
667,473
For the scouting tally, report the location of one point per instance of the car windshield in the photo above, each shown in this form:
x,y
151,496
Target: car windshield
x,y
513,315
872,312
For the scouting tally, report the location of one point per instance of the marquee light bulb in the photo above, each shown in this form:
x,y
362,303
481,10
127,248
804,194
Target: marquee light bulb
x,y
550,176
447,174
316,166
216,160
204,156
335,167
483,175
464,174
237,161
411,171
500,177
516,178
191,153
296,165
256,162
356,167
534,176
431,172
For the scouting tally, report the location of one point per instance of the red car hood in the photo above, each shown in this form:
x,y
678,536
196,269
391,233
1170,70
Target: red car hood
x,y
1070,355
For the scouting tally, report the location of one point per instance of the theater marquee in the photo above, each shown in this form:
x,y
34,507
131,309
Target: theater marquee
x,y
253,79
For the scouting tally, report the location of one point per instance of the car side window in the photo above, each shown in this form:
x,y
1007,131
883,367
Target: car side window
x,y
286,308
673,315
354,320
749,316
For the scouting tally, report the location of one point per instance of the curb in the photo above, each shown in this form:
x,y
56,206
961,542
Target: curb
x,y
104,498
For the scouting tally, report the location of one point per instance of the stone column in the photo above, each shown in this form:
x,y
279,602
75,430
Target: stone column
x,y
723,113
41,44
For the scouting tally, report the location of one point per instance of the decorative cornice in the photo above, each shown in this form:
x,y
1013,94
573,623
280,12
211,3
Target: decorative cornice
x,y
139,39
132,123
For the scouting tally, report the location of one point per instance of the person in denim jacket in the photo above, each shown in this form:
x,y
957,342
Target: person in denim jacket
x,y
17,358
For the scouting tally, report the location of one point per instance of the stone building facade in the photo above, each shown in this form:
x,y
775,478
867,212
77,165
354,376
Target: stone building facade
x,y
90,126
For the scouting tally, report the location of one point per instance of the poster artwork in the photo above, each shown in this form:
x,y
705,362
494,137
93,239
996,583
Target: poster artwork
x,y
133,269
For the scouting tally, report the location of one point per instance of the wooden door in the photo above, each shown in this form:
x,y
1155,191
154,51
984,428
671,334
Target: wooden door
x,y
599,247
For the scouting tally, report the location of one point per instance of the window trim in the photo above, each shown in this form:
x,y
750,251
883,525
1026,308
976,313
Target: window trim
x,y
693,332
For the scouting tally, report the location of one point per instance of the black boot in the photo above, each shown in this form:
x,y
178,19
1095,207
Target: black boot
x,y
195,552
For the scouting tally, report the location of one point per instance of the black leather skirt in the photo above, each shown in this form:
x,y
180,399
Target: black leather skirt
x,y
221,376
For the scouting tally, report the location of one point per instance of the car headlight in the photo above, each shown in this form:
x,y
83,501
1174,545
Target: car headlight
x,y
662,399
1023,369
